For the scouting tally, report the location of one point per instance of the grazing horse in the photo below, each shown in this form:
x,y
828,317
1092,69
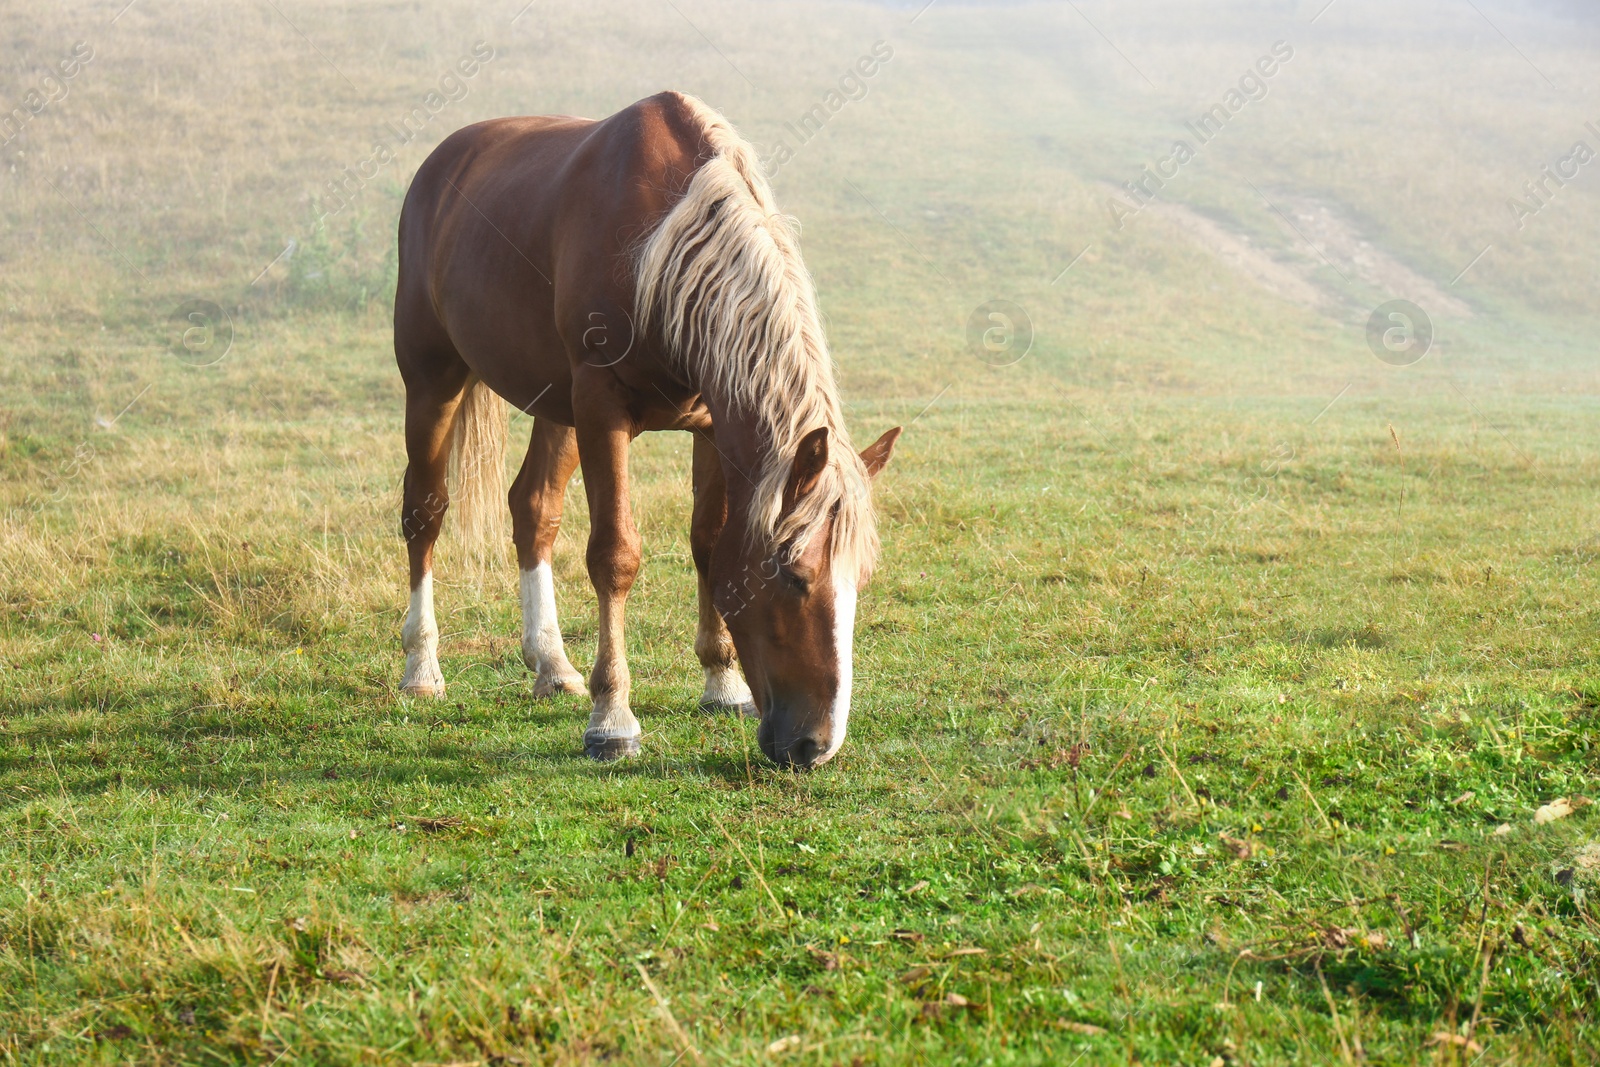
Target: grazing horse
x,y
610,277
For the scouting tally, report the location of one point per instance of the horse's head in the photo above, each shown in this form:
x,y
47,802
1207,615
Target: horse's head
x,y
792,615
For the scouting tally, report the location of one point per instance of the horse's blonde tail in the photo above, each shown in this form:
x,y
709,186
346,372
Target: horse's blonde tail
x,y
478,477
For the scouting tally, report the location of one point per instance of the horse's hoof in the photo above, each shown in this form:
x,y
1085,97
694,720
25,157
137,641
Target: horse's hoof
x,y
423,689
716,707
549,687
609,749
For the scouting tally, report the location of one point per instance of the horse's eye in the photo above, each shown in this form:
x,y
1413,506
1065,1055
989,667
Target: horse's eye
x,y
795,582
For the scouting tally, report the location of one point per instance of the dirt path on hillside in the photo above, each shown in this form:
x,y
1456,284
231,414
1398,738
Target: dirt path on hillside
x,y
1288,280
1320,236
1342,243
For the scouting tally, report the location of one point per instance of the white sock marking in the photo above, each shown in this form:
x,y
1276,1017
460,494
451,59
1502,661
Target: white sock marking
x,y
420,639
541,630
725,685
542,649
612,718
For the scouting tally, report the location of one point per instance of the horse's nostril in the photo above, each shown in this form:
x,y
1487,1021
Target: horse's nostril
x,y
786,749
804,752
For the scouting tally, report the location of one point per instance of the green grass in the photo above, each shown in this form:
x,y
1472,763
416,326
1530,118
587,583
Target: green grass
x,y
1147,715
1209,686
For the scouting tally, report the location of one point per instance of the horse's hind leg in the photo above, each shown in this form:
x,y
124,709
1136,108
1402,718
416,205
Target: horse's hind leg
x,y
536,502
432,398
713,645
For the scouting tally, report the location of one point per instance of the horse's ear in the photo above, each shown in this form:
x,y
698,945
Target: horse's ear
x,y
810,460
876,455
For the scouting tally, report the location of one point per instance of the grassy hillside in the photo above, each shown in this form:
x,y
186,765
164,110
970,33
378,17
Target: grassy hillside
x,y
1209,689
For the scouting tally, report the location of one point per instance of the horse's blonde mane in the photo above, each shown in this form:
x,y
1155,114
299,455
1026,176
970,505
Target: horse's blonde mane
x,y
721,283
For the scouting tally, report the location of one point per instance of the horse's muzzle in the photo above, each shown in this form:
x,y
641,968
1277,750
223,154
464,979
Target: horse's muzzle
x,y
799,749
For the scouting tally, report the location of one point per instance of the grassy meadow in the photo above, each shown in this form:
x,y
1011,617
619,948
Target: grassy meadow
x,y
1214,695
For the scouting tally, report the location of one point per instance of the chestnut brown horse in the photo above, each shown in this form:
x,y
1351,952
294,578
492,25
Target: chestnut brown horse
x,y
610,277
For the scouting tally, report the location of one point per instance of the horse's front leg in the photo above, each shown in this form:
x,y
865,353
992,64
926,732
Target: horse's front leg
x,y
604,432
713,645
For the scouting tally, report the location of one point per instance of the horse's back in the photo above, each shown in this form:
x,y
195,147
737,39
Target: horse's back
x,y
537,170
478,159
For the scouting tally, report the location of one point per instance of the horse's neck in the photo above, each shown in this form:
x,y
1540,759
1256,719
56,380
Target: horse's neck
x,y
744,447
